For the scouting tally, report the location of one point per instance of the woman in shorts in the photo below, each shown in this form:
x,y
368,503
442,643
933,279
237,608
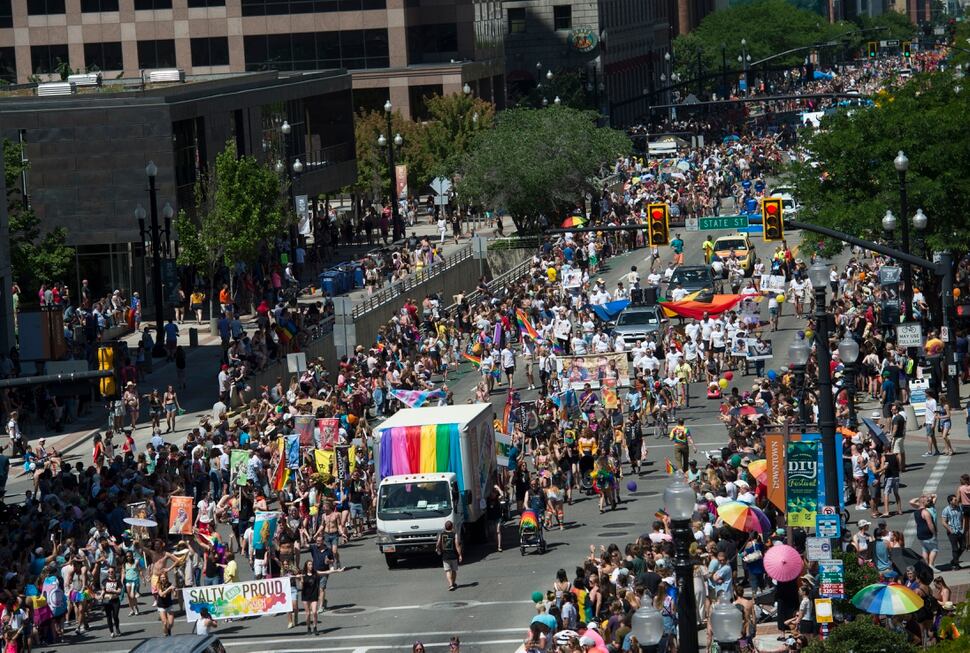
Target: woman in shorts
x,y
164,593
132,576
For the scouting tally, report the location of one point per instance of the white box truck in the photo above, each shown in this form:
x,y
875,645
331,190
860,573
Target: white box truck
x,y
433,465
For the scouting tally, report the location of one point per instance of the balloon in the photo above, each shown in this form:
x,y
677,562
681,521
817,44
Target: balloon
x,y
536,596
800,334
632,486
723,384
808,334
780,298
729,375
772,375
956,293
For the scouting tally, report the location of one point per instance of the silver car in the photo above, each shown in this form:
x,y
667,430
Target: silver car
x,y
636,322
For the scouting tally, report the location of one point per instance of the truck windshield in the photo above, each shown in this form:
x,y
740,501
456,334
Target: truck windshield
x,y
414,501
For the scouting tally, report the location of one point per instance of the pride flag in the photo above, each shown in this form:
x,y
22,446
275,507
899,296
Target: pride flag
x,y
668,466
475,360
421,450
416,398
525,325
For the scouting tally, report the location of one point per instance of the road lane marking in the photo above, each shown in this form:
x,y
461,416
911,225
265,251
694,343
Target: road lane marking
x,y
385,647
932,483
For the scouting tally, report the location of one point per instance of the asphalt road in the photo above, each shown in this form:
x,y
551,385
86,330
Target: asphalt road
x,y
372,608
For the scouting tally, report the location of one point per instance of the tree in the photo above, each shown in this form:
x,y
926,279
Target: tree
x,y
36,257
238,208
850,181
455,119
537,162
861,636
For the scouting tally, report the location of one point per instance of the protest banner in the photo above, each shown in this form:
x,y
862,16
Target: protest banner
x,y
591,369
328,430
264,529
293,451
324,461
303,425
252,598
180,516
239,467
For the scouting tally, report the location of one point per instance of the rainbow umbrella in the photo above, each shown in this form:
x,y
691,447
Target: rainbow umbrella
x,y
887,599
573,221
759,470
743,517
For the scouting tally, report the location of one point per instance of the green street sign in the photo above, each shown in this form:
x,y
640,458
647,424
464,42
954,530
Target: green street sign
x,y
722,223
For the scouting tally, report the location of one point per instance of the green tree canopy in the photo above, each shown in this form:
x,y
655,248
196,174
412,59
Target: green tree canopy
x,y
537,162
36,257
238,209
851,181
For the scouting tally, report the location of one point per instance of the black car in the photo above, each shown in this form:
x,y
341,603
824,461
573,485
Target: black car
x,y
692,278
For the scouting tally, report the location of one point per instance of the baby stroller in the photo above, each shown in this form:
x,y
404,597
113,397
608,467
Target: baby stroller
x,y
530,532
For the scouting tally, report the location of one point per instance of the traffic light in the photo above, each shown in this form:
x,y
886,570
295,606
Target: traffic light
x,y
110,359
907,48
772,220
658,223
873,49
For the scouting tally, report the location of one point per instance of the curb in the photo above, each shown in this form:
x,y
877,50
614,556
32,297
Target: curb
x,y
79,441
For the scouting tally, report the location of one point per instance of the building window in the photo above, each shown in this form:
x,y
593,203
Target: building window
x,y
44,7
288,7
103,56
202,4
156,54
562,17
8,65
45,59
210,51
352,49
435,43
6,13
98,6
149,5
516,20
417,97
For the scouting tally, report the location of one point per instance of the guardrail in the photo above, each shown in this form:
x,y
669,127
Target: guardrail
x,y
410,282
499,281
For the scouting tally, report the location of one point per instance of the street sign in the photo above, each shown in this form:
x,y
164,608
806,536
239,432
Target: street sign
x,y
909,334
831,579
818,548
690,224
441,185
296,363
724,222
479,246
823,611
828,526
944,333
891,43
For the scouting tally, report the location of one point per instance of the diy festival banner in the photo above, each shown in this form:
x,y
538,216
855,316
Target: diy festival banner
x,y
802,496
252,598
180,516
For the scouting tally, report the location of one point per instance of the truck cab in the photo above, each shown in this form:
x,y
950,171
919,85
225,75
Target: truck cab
x,y
412,510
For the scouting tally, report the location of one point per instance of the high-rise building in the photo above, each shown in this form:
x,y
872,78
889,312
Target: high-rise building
x,y
402,49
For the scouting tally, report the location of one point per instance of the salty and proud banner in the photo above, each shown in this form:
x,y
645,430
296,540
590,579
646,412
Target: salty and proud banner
x,y
252,598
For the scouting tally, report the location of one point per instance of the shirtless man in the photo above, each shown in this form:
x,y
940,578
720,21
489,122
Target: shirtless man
x,y
331,529
158,556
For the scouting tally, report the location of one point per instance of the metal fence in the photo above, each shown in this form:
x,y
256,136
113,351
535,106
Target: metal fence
x,y
404,286
501,281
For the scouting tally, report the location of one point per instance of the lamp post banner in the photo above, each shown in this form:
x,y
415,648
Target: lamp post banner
x,y
803,481
401,179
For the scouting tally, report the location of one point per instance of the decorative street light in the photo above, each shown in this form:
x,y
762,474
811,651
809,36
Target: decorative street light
x,y
679,500
557,101
647,625
901,163
286,129
466,89
549,75
818,274
849,354
920,222
726,623
889,226
398,227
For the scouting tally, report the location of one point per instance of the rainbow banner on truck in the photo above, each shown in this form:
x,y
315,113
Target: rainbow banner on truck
x,y
421,450
251,598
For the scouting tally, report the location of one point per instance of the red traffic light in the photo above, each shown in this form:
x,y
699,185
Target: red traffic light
x,y
657,214
771,208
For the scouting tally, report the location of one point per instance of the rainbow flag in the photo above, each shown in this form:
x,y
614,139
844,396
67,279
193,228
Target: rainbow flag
x,y
529,520
668,466
525,325
416,398
557,349
474,360
281,474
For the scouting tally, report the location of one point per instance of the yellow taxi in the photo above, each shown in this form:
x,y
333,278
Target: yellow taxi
x,y
738,245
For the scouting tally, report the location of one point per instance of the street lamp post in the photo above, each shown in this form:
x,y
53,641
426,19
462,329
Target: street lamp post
x,y
155,236
647,625
888,227
286,129
920,221
798,353
398,228
743,59
726,623
679,500
818,274
849,354
902,165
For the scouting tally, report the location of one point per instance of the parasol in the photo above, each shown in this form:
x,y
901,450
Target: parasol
x,y
743,517
783,563
573,221
887,599
877,432
138,521
759,470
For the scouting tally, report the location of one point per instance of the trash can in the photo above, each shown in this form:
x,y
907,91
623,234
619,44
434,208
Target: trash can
x,y
193,337
358,276
330,284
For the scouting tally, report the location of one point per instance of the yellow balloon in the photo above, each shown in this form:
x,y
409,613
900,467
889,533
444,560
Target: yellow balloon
x,y
808,334
723,383
780,298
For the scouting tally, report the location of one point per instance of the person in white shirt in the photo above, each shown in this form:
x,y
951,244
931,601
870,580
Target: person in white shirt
x,y
508,364
678,293
653,279
632,278
578,346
